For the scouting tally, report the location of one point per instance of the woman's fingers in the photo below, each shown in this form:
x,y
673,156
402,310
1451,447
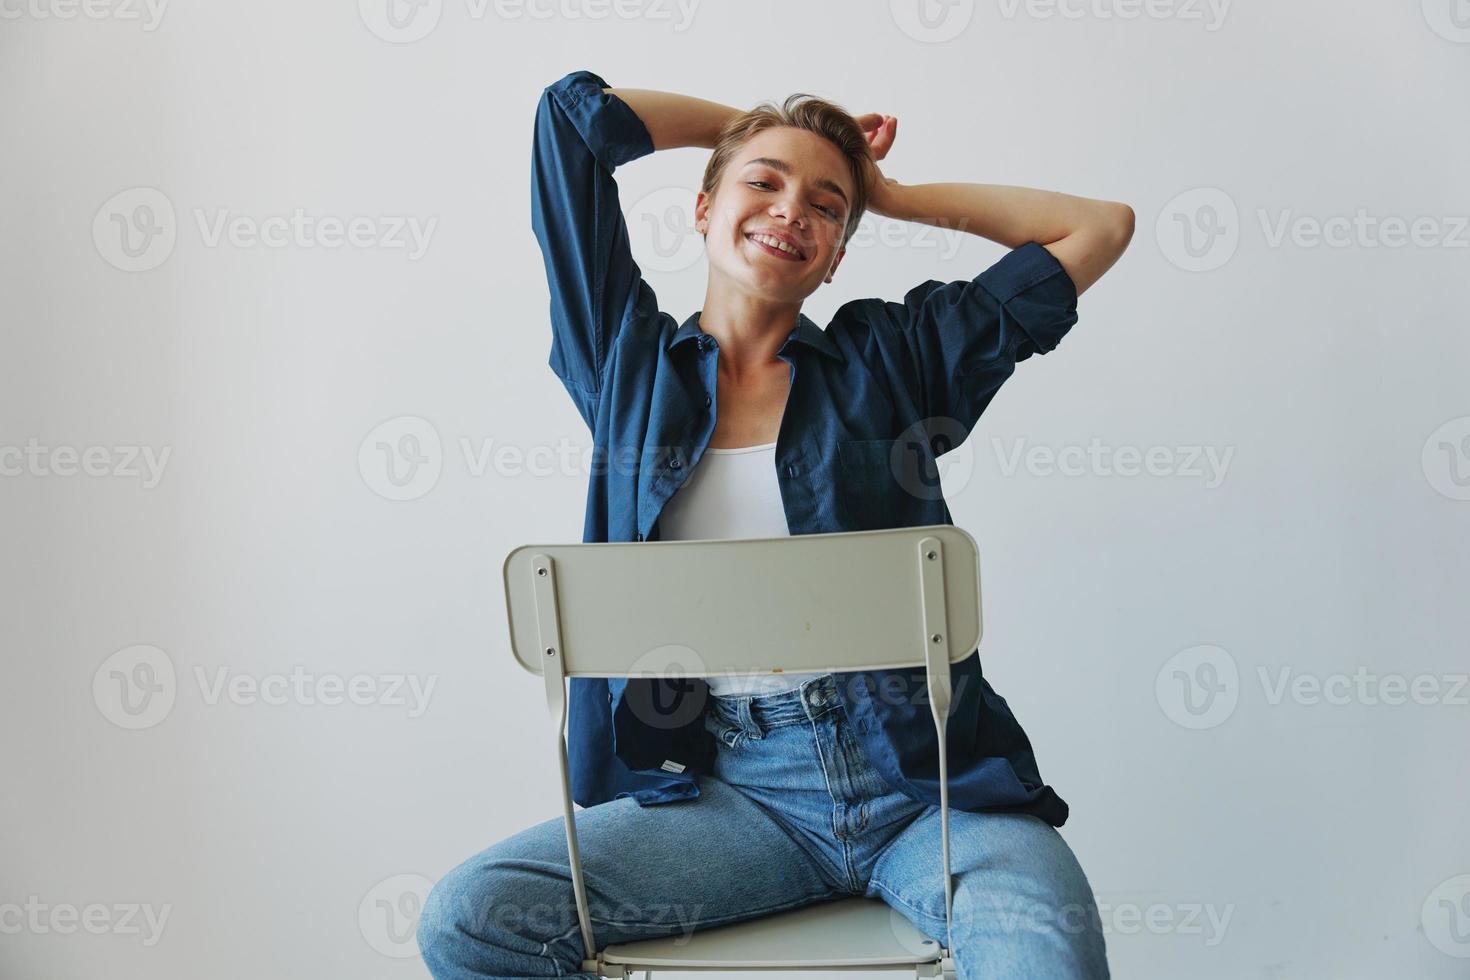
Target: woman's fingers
x,y
879,130
881,137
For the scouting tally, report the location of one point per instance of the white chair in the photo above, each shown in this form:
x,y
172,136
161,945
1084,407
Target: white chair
x,y
861,600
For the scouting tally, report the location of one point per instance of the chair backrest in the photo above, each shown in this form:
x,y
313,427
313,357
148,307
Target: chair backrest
x,y
846,601
853,600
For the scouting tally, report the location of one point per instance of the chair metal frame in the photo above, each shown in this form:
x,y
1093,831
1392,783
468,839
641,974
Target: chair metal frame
x,y
858,600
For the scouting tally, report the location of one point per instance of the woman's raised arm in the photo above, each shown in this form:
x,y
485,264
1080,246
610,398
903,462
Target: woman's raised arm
x,y
676,120
581,136
1085,235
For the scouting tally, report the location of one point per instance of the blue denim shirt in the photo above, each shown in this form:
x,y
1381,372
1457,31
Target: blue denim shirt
x,y
874,398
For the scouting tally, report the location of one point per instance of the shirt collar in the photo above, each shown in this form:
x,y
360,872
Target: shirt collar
x,y
806,332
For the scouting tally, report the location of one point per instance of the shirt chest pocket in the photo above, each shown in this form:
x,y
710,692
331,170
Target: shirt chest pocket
x,y
885,483
880,484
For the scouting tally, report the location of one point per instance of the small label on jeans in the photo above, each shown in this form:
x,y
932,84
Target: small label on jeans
x,y
671,766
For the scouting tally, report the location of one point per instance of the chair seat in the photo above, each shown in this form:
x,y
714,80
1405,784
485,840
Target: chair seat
x,y
844,932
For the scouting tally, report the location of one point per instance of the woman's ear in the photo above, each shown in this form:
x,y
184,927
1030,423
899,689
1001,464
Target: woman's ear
x,y
835,263
701,213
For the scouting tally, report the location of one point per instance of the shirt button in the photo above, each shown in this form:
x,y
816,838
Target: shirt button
x,y
791,471
706,401
676,462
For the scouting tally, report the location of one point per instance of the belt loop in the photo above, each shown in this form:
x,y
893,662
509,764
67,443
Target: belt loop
x,y
747,720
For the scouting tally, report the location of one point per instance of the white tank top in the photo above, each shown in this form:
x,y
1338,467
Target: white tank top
x,y
732,493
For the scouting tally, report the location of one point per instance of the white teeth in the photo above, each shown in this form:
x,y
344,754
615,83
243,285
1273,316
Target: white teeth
x,y
776,243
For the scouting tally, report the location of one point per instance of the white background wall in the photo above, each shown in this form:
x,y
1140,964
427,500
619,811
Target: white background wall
x,y
1139,625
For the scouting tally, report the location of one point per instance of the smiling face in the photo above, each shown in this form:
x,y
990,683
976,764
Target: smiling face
x,y
784,185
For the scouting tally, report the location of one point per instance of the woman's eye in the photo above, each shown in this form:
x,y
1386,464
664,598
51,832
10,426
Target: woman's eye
x,y
830,212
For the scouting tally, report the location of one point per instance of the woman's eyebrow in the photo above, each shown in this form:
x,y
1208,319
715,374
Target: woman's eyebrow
x,y
785,168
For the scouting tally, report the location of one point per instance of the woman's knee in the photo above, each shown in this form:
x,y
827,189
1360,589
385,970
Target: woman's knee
x,y
1032,885
1027,873
493,906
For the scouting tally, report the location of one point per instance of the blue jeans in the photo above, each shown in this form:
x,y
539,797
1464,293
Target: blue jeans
x,y
794,816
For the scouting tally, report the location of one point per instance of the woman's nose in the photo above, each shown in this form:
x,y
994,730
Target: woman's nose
x,y
791,209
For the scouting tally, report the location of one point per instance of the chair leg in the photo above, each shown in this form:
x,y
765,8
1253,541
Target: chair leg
x,y
943,969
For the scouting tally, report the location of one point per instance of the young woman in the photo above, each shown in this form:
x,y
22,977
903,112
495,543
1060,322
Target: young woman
x,y
745,797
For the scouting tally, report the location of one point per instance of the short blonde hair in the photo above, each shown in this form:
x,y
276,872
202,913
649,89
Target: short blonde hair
x,y
801,111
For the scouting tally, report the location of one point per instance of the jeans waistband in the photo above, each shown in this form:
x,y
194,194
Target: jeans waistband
x,y
758,713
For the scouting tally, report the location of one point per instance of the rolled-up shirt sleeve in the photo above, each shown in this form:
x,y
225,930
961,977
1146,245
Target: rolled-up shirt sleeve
x,y
962,340
582,134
